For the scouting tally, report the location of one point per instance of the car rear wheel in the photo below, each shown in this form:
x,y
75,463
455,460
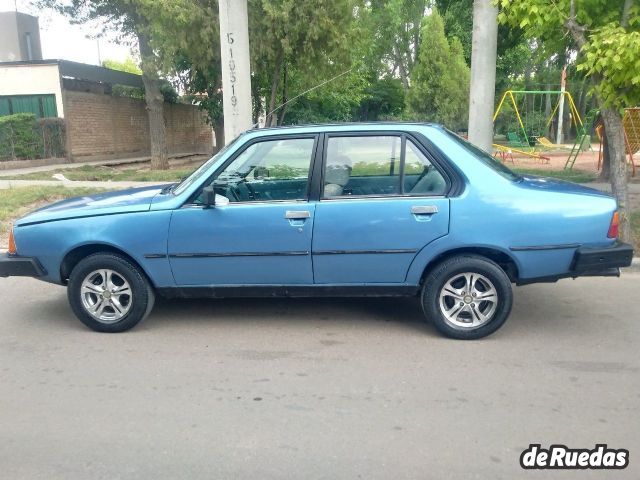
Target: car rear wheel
x,y
109,294
467,297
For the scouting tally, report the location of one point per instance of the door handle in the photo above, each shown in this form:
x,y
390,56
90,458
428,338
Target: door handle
x,y
424,209
297,214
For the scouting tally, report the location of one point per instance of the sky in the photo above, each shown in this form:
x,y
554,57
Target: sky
x,y
62,40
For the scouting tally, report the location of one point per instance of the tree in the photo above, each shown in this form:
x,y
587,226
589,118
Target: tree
x,y
128,17
607,33
440,79
392,29
129,65
310,37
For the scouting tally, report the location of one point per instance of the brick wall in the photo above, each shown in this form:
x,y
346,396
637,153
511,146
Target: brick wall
x,y
101,126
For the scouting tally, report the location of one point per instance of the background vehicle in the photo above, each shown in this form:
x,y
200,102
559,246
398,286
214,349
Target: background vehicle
x,y
361,209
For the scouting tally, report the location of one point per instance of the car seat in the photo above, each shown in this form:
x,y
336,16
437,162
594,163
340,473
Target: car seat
x,y
336,175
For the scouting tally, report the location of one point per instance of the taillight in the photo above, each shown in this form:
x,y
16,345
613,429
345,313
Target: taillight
x,y
12,243
613,228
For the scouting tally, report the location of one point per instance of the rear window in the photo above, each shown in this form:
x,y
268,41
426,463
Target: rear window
x,y
485,158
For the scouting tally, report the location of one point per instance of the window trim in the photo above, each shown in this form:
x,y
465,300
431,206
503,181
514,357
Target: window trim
x,y
190,202
404,135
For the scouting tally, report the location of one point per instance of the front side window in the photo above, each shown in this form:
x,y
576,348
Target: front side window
x,y
268,170
379,166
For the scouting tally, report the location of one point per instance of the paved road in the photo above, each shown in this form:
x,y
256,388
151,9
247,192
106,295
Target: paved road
x,y
307,389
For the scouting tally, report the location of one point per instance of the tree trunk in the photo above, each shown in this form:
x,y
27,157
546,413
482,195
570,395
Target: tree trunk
x,y
155,105
283,112
218,131
483,74
402,69
605,173
272,119
617,155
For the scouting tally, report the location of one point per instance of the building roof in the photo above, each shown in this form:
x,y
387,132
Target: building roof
x,y
83,71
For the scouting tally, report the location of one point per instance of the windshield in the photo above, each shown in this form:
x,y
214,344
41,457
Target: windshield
x,y
201,171
485,158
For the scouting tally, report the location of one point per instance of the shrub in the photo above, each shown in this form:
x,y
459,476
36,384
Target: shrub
x,y
23,137
20,137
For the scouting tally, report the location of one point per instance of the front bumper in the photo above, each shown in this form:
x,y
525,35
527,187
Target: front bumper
x,y
605,261
15,266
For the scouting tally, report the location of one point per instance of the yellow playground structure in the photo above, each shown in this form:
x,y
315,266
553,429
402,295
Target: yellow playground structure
x,y
532,124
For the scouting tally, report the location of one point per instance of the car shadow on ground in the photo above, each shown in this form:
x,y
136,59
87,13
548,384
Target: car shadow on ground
x,y
400,311
555,316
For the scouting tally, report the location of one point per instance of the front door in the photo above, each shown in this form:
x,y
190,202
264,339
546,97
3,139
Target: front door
x,y
259,232
383,201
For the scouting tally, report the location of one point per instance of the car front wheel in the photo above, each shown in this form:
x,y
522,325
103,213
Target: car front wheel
x,y
109,294
467,297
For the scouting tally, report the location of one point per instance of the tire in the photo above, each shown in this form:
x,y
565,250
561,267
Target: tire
x,y
128,300
462,314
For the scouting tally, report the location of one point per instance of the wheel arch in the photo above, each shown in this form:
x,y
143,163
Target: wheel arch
x,y
500,257
76,254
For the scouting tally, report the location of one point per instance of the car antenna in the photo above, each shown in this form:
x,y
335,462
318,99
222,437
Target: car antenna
x,y
304,93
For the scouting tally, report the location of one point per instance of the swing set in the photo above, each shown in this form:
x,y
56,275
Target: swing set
x,y
532,126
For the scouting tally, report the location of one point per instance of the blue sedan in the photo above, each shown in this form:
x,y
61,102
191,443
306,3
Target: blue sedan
x,y
337,210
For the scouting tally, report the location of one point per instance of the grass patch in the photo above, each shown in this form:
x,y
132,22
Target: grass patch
x,y
15,202
576,176
93,173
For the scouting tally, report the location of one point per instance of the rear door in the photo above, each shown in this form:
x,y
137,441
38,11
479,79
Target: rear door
x,y
382,201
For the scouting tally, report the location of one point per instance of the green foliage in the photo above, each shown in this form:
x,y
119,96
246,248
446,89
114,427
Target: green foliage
x,y
440,80
613,54
609,50
128,65
383,100
20,137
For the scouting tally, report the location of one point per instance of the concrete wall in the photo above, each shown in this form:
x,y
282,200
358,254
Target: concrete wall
x,y
32,80
14,29
101,126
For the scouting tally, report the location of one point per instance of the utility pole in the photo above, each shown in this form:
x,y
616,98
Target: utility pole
x,y
236,74
563,87
483,74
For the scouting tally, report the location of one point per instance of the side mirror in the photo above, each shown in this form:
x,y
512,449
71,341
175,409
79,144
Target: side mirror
x,y
208,197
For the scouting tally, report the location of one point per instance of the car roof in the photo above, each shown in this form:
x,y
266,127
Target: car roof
x,y
343,127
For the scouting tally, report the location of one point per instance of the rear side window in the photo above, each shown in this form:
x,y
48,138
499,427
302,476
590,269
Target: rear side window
x,y
367,165
383,165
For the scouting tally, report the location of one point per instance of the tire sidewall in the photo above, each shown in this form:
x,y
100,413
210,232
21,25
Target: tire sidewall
x,y
448,269
140,288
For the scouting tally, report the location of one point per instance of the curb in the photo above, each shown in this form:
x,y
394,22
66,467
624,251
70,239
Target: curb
x,y
635,266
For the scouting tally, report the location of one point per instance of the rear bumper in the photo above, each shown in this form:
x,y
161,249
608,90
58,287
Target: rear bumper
x,y
601,261
11,266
